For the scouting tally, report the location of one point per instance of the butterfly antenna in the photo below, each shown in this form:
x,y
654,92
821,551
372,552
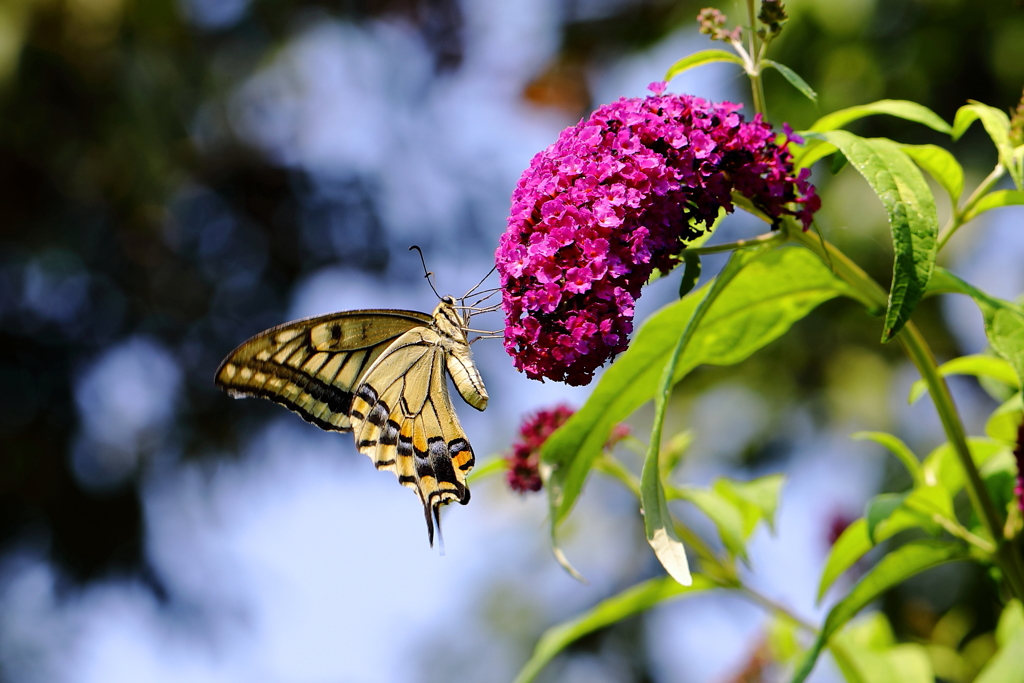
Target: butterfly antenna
x,y
482,280
485,297
427,274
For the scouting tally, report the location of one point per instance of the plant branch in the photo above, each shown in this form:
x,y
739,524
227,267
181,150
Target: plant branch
x,y
960,532
766,238
756,86
710,562
917,349
957,219
776,607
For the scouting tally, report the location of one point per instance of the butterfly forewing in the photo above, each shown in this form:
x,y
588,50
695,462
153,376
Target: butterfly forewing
x,y
381,375
311,366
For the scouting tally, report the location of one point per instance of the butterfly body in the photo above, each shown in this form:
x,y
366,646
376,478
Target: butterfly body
x,y
380,374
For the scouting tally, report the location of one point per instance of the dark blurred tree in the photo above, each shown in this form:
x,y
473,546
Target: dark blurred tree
x,y
96,107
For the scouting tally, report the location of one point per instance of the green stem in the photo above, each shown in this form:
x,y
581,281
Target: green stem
x,y
777,608
960,532
615,469
490,466
712,565
957,219
766,238
723,572
756,86
917,349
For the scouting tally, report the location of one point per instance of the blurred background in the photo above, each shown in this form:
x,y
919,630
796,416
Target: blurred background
x,y
177,175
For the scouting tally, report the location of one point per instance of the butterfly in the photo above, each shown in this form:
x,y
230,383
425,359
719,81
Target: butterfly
x,y
380,374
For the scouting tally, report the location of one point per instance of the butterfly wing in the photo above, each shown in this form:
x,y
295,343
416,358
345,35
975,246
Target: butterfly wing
x,y
403,419
311,366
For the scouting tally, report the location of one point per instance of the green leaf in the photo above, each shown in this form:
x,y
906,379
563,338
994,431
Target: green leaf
x,y
942,466
1011,622
1004,321
727,517
702,57
912,218
658,525
771,293
1003,423
805,155
888,514
491,466
879,509
897,448
1005,329
866,651
994,200
898,566
781,637
929,501
996,123
757,499
1005,664
1017,170
674,450
945,282
911,111
691,273
701,239
793,78
1000,477
739,201
940,165
839,162
978,365
852,544
631,601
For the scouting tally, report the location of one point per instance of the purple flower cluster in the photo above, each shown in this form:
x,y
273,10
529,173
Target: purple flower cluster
x,y
523,463
615,197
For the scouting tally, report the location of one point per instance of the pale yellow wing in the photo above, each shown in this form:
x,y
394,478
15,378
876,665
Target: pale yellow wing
x,y
311,366
403,419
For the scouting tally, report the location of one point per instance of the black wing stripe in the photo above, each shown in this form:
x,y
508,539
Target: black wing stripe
x,y
337,401
286,362
362,366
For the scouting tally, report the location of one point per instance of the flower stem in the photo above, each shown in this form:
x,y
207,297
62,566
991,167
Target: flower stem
x,y
757,88
777,608
957,219
710,563
766,238
917,349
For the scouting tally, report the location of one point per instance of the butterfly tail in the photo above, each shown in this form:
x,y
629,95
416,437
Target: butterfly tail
x,y
437,519
430,523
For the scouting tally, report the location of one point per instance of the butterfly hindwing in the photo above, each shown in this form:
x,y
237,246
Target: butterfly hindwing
x,y
311,366
403,419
